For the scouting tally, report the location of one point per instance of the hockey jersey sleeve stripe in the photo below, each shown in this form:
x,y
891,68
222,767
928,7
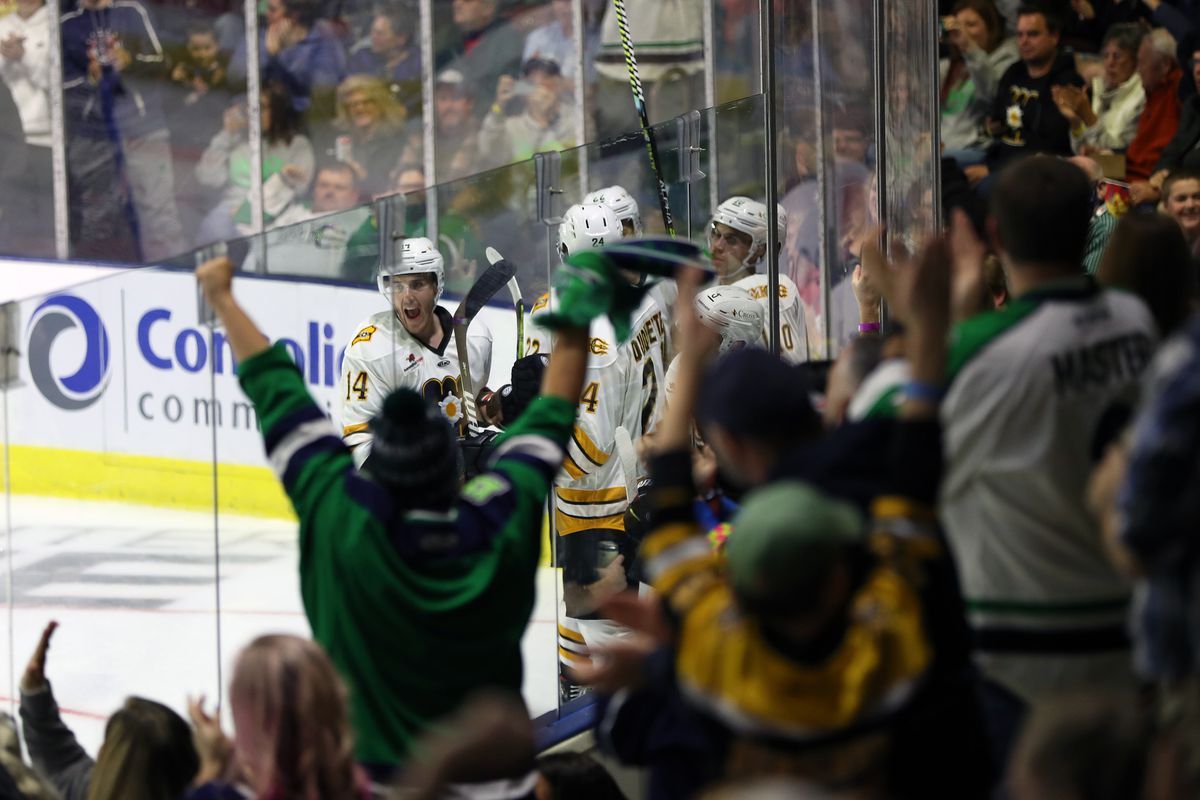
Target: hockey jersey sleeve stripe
x,y
300,457
690,549
533,447
588,447
284,427
572,468
362,427
567,524
591,496
574,636
299,438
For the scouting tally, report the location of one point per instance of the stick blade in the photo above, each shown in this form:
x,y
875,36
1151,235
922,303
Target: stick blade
x,y
485,287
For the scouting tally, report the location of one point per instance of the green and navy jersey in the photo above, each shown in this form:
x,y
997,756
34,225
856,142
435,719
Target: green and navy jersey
x,y
1038,389
416,609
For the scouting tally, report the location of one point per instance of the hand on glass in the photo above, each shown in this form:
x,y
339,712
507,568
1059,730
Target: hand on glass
x,y
215,277
212,745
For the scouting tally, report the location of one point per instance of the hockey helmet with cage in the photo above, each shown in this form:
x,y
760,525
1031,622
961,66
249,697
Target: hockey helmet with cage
x,y
417,256
621,203
587,226
733,313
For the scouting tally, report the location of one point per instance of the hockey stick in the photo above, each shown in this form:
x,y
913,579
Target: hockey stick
x,y
494,257
484,288
639,102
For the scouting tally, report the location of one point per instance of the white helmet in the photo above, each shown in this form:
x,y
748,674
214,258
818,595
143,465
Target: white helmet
x,y
750,217
733,313
417,256
781,223
587,226
621,203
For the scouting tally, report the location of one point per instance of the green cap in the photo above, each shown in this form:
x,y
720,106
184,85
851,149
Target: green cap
x,y
786,539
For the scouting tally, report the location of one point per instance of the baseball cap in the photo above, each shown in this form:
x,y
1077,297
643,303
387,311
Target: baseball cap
x,y
750,392
787,538
452,77
541,63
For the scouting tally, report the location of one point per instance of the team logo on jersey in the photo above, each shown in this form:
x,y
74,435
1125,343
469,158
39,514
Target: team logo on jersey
x,y
542,302
451,406
56,315
598,346
364,335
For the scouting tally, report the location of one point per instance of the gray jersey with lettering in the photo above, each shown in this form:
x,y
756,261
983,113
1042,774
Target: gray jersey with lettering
x,y
1037,391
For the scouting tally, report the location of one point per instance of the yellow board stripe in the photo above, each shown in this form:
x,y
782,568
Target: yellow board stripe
x,y
574,636
589,448
147,480
349,429
615,494
565,524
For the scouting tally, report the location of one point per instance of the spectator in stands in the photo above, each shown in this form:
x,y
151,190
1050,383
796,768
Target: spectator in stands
x,y
1109,121
116,134
374,123
1144,495
1085,22
1083,745
457,146
296,50
454,567
668,35
1024,118
199,95
1160,78
487,47
293,737
25,68
782,596
388,52
980,54
1169,287
147,751
555,41
1182,150
287,159
1025,416
1104,218
538,127
1181,201
319,239
851,141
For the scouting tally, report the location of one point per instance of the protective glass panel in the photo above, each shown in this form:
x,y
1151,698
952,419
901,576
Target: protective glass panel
x,y
500,94
26,169
155,124
111,495
910,100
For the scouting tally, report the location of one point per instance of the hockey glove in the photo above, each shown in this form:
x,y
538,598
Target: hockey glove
x,y
585,286
526,385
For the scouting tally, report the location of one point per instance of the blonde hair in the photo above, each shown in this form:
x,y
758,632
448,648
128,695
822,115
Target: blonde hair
x,y
148,754
290,690
391,113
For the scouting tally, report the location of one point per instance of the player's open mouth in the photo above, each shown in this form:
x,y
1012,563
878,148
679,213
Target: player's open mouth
x,y
412,313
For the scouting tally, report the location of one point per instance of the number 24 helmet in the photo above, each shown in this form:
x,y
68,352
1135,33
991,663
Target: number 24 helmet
x,y
587,226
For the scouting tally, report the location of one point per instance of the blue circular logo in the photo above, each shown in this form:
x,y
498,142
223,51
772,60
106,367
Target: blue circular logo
x,y
58,313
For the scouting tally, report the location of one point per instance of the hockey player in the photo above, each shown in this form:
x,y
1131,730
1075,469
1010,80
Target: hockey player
x,y
619,201
624,389
737,237
411,345
732,313
419,591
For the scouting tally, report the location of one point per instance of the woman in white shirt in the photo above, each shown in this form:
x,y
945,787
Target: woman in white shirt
x,y
1109,120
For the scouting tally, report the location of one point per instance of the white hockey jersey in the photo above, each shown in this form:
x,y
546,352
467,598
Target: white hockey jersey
x,y
1036,391
384,356
625,387
793,328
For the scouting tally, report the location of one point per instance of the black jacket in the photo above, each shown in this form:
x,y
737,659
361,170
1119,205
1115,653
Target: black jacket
x,y
1039,128
1181,150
